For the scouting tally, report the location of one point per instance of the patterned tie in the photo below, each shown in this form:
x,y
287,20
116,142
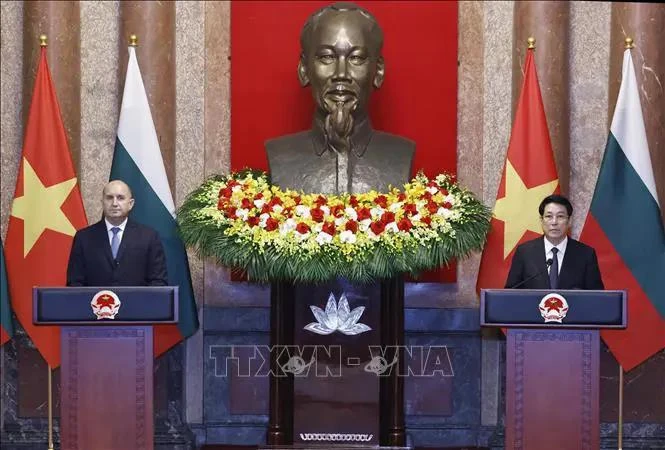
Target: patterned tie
x,y
554,270
115,241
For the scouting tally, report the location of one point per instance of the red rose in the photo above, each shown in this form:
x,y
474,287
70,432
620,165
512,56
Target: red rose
x,y
271,224
232,183
274,201
329,227
448,205
246,203
410,208
353,201
387,217
426,196
404,224
265,209
377,227
382,201
401,197
432,207
258,196
321,200
363,213
288,212
302,228
221,204
444,192
253,221
317,214
337,210
297,199
352,226
231,212
426,220
225,192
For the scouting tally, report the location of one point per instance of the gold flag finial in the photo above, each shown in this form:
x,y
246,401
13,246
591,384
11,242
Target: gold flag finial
x,y
42,40
532,43
629,43
133,40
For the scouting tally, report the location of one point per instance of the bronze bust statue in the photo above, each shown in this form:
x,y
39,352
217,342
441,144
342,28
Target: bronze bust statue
x,y
341,60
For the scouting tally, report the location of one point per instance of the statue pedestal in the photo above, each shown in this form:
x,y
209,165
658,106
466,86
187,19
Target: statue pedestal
x,y
337,387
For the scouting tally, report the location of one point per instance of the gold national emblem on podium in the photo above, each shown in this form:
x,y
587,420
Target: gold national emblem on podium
x,y
553,308
105,304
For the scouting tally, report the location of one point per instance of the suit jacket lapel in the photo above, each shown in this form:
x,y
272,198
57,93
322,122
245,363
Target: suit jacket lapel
x,y
103,241
127,235
567,264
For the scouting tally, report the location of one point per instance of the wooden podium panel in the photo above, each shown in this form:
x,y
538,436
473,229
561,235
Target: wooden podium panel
x,y
107,381
552,398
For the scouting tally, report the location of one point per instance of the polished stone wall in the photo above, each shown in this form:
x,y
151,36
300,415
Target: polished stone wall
x,y
184,54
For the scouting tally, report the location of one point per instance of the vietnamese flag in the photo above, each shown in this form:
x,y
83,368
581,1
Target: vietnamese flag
x,y
46,212
529,176
624,225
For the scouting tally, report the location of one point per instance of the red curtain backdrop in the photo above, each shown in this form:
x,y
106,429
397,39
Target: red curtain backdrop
x,y
418,99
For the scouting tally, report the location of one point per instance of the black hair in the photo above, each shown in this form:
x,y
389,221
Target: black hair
x,y
559,200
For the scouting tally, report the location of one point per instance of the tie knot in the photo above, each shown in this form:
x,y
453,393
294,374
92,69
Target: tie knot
x,y
115,230
555,251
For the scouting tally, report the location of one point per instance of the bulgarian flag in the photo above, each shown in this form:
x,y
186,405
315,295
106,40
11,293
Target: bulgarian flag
x,y
137,161
529,175
6,327
46,212
624,225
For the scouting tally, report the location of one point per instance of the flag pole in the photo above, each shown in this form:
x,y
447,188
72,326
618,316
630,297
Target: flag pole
x,y
628,45
620,424
43,43
50,410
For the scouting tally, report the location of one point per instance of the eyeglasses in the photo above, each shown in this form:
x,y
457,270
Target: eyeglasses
x,y
558,218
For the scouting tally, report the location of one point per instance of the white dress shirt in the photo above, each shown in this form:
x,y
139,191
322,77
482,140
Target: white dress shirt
x,y
109,225
562,250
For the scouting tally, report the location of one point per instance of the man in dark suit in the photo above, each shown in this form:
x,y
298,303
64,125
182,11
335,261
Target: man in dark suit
x,y
117,251
554,261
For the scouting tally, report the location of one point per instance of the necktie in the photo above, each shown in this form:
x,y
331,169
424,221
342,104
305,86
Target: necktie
x,y
554,270
115,242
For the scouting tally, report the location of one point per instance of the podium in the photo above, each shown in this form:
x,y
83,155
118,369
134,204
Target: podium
x,y
552,362
106,363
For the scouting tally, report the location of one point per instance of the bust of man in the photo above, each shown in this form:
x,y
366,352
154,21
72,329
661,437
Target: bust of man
x,y
341,60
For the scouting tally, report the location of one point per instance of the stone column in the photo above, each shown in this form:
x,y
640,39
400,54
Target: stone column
x,y
644,23
60,21
549,23
154,24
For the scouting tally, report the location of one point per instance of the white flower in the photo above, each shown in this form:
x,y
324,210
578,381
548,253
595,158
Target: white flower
x,y
317,227
432,190
416,218
325,209
287,226
263,218
395,207
259,203
450,198
392,227
340,221
364,224
323,238
236,188
376,212
351,213
302,211
278,208
347,237
443,212
301,237
242,213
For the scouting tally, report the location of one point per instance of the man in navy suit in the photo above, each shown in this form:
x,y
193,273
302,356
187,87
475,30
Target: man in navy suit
x,y
554,261
117,251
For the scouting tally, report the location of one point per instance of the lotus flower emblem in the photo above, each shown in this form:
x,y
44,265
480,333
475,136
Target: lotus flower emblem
x,y
337,317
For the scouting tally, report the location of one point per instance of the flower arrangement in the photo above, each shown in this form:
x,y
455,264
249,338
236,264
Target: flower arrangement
x,y
244,222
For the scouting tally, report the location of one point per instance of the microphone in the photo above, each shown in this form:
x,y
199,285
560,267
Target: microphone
x,y
548,263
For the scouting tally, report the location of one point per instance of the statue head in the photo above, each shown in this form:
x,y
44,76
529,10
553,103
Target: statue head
x,y
341,60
